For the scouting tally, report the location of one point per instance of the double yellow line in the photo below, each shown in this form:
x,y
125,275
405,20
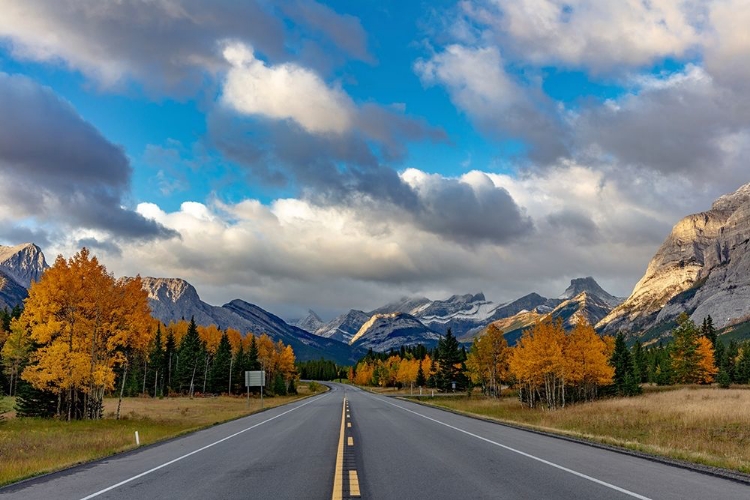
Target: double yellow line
x,y
338,478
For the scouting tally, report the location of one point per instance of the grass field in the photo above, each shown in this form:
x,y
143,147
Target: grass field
x,y
31,446
704,425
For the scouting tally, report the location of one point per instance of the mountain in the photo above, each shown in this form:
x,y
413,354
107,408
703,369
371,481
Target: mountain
x,y
344,327
20,265
24,263
702,268
309,323
408,305
11,293
584,300
590,287
173,299
386,331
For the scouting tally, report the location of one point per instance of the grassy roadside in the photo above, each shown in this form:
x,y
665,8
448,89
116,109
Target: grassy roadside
x,y
31,446
703,425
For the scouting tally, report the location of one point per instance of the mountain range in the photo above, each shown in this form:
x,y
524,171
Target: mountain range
x,y
702,268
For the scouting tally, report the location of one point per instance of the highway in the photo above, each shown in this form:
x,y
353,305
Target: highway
x,y
351,443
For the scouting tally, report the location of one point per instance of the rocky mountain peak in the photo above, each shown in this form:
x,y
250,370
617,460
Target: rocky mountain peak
x,y
24,263
589,286
309,323
169,290
703,267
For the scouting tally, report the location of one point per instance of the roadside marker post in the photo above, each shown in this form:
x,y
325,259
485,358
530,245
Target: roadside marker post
x,y
137,439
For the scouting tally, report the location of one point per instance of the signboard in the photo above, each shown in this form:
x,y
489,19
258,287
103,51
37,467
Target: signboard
x,y
256,378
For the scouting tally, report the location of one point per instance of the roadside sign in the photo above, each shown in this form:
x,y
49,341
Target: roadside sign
x,y
255,378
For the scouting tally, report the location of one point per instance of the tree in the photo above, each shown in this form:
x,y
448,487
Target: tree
x,y
421,380
192,358
538,364
625,383
487,361
709,331
640,363
157,363
220,368
586,361
692,354
450,361
170,359
15,354
279,386
83,321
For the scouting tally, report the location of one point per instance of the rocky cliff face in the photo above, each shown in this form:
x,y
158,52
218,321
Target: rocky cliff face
x,y
344,327
24,263
383,332
309,323
702,268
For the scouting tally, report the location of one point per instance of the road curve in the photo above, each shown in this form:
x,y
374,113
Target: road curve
x,y
391,449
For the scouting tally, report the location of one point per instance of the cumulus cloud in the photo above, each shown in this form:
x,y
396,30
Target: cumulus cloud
x,y
168,45
602,36
503,107
54,166
285,91
294,254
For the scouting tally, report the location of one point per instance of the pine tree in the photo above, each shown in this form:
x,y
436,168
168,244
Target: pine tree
x,y
450,361
292,387
708,330
192,358
252,362
156,364
31,402
421,380
625,383
279,386
640,363
239,365
170,361
219,376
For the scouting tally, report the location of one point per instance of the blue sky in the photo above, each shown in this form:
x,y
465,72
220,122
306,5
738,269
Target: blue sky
x,y
369,150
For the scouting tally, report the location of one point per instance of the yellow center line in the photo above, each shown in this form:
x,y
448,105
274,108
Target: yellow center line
x,y
338,478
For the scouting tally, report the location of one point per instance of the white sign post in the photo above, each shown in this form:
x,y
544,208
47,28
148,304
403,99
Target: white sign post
x,y
255,378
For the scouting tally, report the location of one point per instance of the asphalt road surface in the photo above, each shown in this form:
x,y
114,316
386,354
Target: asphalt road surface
x,y
351,443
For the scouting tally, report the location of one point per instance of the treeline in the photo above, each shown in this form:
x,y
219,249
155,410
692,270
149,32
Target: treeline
x,y
442,368
695,355
83,334
550,367
321,369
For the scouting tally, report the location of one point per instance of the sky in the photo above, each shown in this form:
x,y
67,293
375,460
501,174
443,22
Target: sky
x,y
335,155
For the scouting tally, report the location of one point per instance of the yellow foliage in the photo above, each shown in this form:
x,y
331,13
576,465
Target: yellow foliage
x,y
82,319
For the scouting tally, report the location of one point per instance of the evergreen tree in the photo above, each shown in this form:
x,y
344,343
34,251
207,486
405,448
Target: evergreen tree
x,y
170,361
640,363
157,365
421,380
723,379
279,386
729,361
252,362
625,383
192,359
292,387
31,402
708,330
239,365
743,365
219,376
450,360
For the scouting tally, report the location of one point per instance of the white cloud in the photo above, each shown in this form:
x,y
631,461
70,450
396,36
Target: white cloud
x,y
599,35
284,91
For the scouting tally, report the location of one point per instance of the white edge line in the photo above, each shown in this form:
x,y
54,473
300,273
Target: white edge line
x,y
138,476
527,455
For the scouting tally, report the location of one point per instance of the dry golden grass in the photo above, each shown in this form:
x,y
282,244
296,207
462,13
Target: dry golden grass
x,y
704,425
31,446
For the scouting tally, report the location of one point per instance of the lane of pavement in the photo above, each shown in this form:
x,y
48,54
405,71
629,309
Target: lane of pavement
x,y
405,450
287,452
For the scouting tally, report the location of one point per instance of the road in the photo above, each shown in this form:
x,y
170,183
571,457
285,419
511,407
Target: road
x,y
348,442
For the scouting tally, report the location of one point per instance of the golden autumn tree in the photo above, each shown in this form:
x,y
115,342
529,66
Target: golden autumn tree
x,y
15,352
692,354
83,320
586,358
538,364
705,370
487,361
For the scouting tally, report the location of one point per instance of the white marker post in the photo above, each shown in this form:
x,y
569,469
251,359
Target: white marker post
x,y
137,439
